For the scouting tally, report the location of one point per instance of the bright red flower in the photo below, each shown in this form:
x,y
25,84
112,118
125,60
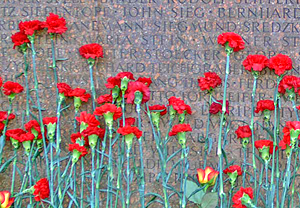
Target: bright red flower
x,y
161,108
79,136
236,199
243,132
55,24
3,116
1,128
107,98
179,105
1,81
93,131
286,140
298,107
145,80
87,118
255,62
29,27
93,51
81,93
232,169
5,200
19,38
33,124
259,144
41,189
48,120
208,175
64,88
289,82
121,75
130,130
210,81
234,41
26,137
134,87
109,108
14,133
79,148
128,121
280,63
12,87
216,107
112,82
265,105
180,128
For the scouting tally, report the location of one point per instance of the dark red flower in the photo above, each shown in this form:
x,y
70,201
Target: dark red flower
x,y
32,124
280,64
236,199
179,105
29,27
81,93
260,144
64,88
286,140
78,137
128,121
255,62
145,80
48,120
216,107
107,98
93,51
109,108
14,133
232,169
133,87
289,82
87,118
156,108
130,130
19,38
243,132
79,148
26,137
3,116
12,87
93,131
41,189
234,41
265,105
210,81
55,24
180,128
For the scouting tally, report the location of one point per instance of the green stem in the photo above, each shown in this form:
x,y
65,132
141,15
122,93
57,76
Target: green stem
x,y
27,87
3,137
93,179
207,132
51,173
181,177
102,159
82,183
296,166
54,66
267,184
244,165
75,181
295,109
58,140
230,196
92,86
75,122
14,171
128,178
110,170
287,178
186,163
67,185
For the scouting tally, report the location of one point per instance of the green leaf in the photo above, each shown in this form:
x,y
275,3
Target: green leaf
x,y
210,200
61,59
191,187
6,164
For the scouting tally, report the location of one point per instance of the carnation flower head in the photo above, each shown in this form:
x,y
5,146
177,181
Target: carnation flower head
x,y
210,81
41,189
180,130
130,130
64,89
128,121
87,120
30,27
280,63
107,98
216,107
108,108
243,132
137,93
290,131
233,40
289,83
161,109
145,80
4,114
80,93
12,88
78,151
80,139
14,133
91,51
49,120
255,63
19,39
263,105
232,169
55,24
265,147
242,197
179,105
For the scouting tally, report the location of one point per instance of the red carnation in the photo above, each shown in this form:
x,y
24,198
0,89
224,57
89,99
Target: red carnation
x,y
210,81
237,198
64,89
286,140
112,82
243,132
128,122
2,128
133,87
108,108
79,148
29,27
1,81
12,87
3,116
48,120
130,130
87,118
260,144
122,75
232,169
179,105
33,124
289,82
265,105
81,93
145,80
14,133
280,64
79,137
216,107
161,108
180,128
107,98
93,131
234,41
41,189
26,137
93,51
55,24
19,39
255,62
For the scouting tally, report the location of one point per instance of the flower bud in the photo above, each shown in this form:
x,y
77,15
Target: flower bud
x,y
93,140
